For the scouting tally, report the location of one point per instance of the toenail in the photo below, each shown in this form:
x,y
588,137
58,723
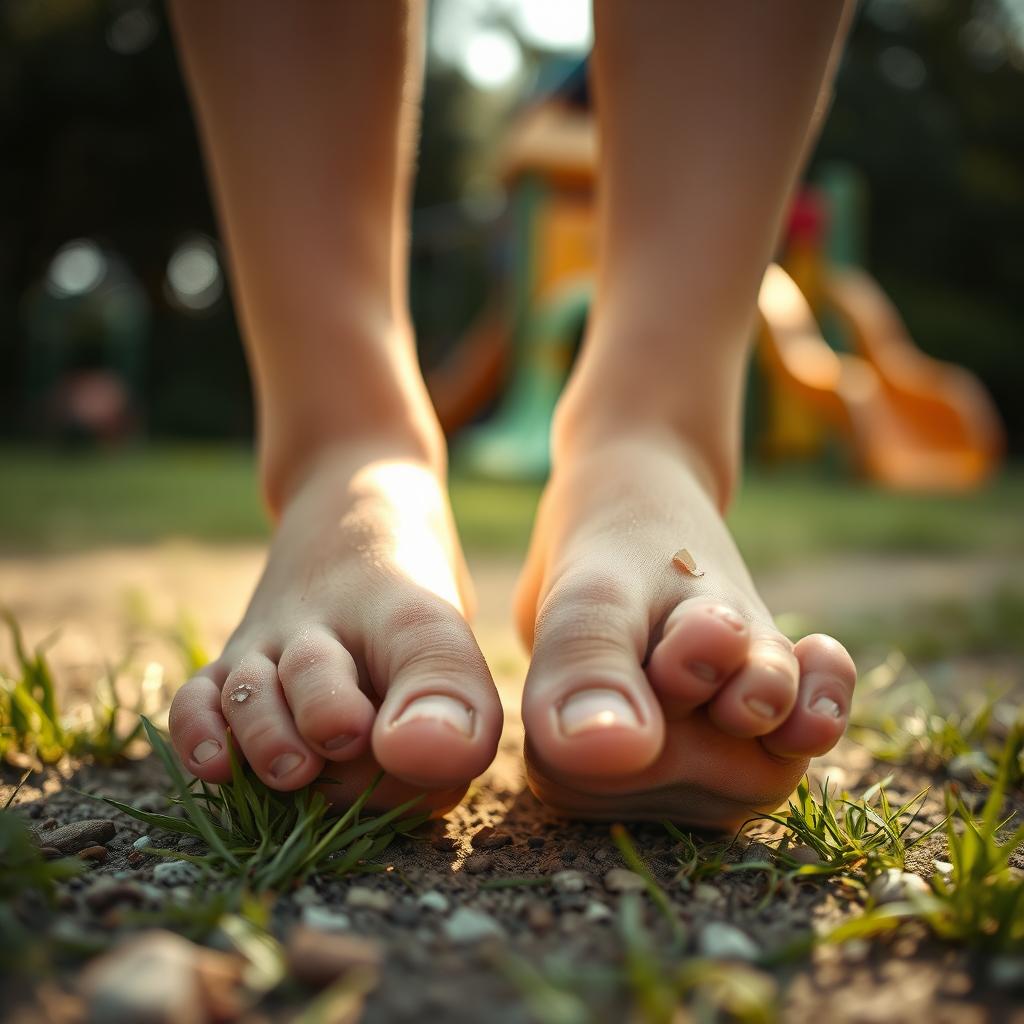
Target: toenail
x,y
828,707
285,763
702,670
437,707
731,618
596,709
340,741
761,708
205,750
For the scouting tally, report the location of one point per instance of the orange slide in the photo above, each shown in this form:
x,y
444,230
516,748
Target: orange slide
x,y
913,423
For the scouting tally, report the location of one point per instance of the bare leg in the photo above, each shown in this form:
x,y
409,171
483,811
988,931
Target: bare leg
x,y
654,692
355,647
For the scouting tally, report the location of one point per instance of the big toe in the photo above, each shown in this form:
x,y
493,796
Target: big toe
x,y
827,678
440,720
588,709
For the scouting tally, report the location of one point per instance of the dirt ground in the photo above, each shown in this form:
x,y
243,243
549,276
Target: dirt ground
x,y
565,922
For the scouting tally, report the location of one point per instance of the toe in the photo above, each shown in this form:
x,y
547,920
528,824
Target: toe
x,y
757,699
321,685
254,705
827,678
198,730
704,642
587,705
440,719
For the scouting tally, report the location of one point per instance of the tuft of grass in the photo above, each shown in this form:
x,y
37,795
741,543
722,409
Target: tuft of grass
x,y
844,833
980,902
268,840
659,897
898,718
31,721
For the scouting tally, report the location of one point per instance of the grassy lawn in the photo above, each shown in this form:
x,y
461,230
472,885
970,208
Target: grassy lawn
x,y
54,502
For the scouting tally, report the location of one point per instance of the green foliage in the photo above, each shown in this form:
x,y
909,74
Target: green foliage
x,y
899,718
980,902
846,833
269,840
32,723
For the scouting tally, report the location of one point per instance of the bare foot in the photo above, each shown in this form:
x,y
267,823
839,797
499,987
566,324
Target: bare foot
x,y
652,692
354,649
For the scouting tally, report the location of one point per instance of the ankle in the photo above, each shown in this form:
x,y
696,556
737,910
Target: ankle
x,y
583,427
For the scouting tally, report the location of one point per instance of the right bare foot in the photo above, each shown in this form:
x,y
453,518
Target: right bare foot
x,y
354,648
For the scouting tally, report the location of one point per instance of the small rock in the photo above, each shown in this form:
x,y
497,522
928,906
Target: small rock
x,y
943,867
540,917
895,886
722,941
569,881
318,958
623,880
306,896
135,858
490,839
405,914
476,864
444,844
596,912
108,893
804,855
94,853
324,919
142,842
359,897
191,844
50,852
467,925
535,842
160,978
434,900
708,894
151,800
176,872
757,853
972,766
80,834
1007,972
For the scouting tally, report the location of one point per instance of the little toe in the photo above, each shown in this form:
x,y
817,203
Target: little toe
x,y
198,731
321,685
703,643
827,679
254,705
757,699
440,720
587,705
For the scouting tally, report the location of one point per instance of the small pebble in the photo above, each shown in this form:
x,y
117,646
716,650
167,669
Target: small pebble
x,y
943,867
596,912
708,894
135,858
142,842
467,925
50,852
804,855
623,880
176,872
324,919
758,853
191,844
569,881
306,896
722,941
540,917
80,834
434,900
359,897
318,958
444,844
895,886
94,853
1007,972
405,914
490,839
107,893
476,864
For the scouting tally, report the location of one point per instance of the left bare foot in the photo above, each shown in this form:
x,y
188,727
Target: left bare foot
x,y
652,692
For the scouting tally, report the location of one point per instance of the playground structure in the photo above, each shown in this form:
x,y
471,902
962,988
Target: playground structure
x,y
901,418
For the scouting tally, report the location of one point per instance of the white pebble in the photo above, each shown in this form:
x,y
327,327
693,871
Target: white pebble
x,y
596,912
142,842
306,896
722,941
466,926
323,919
434,900
359,897
623,880
176,872
895,886
569,881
